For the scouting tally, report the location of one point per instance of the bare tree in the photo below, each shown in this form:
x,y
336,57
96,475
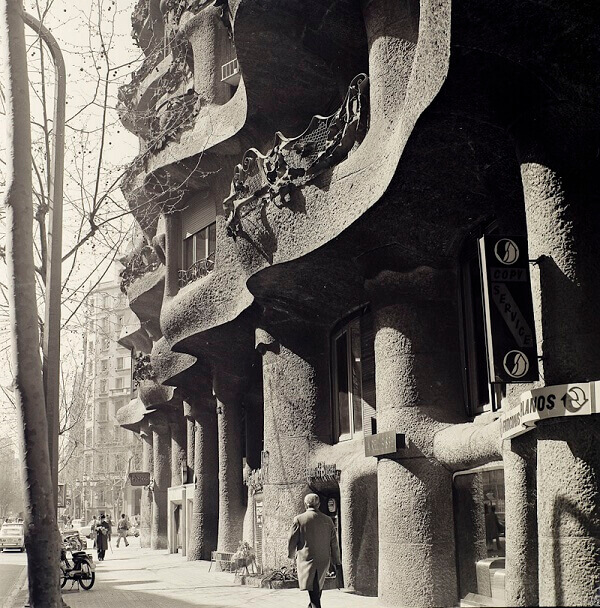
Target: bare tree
x,y
41,530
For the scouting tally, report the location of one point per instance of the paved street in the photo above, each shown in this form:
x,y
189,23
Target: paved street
x,y
153,579
12,565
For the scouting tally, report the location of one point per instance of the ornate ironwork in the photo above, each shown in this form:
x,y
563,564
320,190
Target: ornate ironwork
x,y
293,162
197,270
142,370
137,266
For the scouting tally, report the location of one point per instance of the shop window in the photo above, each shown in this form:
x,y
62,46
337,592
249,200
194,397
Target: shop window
x,y
481,394
347,380
480,523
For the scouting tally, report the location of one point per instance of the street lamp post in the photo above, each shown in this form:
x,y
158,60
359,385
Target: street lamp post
x,y
51,335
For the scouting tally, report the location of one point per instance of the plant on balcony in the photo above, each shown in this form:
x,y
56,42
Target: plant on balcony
x,y
142,369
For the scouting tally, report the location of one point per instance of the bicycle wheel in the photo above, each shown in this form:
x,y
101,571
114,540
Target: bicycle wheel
x,y
88,577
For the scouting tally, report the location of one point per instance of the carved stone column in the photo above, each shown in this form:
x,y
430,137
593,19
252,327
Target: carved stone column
x,y
232,493
161,441
178,426
191,439
146,498
419,391
559,170
293,387
203,536
520,461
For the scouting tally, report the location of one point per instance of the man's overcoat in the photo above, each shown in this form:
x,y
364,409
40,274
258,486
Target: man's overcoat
x,y
314,538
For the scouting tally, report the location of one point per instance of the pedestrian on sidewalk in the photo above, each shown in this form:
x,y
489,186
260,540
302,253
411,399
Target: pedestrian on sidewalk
x,y
122,528
313,539
102,533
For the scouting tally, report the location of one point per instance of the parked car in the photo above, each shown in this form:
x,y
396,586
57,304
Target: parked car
x,y
83,529
86,530
12,536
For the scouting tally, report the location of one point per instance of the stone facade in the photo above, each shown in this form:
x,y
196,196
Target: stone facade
x,y
297,293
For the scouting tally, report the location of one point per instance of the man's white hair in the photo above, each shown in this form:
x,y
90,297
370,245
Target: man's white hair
x,y
312,500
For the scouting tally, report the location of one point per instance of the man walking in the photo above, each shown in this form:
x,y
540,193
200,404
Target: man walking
x,y
122,528
102,537
314,539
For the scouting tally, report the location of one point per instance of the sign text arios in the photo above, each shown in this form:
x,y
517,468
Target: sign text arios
x,y
512,352
563,400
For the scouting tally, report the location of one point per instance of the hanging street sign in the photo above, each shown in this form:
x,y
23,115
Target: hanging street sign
x,y
562,400
139,478
512,351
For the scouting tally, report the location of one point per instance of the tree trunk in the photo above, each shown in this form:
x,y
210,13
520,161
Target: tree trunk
x,y
41,531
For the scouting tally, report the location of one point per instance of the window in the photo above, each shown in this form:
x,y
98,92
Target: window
x,y
88,438
107,301
119,363
200,246
105,343
481,395
104,324
104,365
118,383
103,385
88,411
90,368
101,463
102,411
88,464
347,380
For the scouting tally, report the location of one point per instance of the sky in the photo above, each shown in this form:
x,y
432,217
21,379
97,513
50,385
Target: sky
x,y
95,37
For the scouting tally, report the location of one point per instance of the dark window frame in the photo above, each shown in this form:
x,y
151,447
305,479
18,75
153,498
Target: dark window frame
x,y
348,326
481,395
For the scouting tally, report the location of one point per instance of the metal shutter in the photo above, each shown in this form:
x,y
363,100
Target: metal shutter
x,y
199,214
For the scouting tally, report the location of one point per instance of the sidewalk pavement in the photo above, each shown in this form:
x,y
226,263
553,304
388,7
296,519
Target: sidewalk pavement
x,y
133,577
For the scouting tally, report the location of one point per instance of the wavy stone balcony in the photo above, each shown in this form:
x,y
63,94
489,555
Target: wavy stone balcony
x,y
142,280
294,162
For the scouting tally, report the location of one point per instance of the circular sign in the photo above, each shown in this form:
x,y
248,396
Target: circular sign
x,y
331,505
506,251
516,364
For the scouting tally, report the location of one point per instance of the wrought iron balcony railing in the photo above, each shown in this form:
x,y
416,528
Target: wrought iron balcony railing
x,y
293,162
137,266
197,270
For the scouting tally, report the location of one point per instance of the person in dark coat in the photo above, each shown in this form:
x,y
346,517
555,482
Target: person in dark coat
x,y
102,532
313,539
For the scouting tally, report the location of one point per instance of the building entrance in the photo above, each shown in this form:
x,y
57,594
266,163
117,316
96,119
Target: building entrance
x,y
330,505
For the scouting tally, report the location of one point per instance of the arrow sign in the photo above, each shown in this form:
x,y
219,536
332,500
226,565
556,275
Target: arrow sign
x,y
558,401
574,399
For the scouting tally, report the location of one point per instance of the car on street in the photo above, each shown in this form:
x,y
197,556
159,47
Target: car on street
x,y
84,530
12,536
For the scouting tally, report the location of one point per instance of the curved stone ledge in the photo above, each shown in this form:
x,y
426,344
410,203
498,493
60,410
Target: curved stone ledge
x,y
145,298
462,446
151,393
130,416
175,369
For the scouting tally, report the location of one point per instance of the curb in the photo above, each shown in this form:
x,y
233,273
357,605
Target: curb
x,y
20,589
